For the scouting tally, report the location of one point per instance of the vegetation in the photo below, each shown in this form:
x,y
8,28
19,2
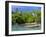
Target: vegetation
x,y
26,17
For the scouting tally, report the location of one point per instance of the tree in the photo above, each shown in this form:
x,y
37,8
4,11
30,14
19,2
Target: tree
x,y
26,17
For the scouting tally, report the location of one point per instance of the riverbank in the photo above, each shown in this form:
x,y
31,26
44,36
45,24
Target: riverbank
x,y
31,24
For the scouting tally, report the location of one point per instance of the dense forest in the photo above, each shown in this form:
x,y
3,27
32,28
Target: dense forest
x,y
21,17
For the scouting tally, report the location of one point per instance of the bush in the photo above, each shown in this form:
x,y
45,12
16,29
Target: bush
x,y
26,17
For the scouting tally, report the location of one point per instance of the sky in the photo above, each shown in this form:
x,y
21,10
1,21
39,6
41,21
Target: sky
x,y
25,8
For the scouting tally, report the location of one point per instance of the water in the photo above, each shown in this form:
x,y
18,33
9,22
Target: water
x,y
16,27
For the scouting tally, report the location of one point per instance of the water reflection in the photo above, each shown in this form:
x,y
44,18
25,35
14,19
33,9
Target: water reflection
x,y
22,27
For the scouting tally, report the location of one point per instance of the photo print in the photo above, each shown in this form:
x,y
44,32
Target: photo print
x,y
24,18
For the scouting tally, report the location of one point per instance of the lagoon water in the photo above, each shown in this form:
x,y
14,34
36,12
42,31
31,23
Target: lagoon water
x,y
17,27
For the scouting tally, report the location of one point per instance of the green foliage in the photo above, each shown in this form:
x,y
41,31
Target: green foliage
x,y
26,17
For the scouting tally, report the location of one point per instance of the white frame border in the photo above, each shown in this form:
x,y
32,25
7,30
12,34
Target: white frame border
x,y
24,32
